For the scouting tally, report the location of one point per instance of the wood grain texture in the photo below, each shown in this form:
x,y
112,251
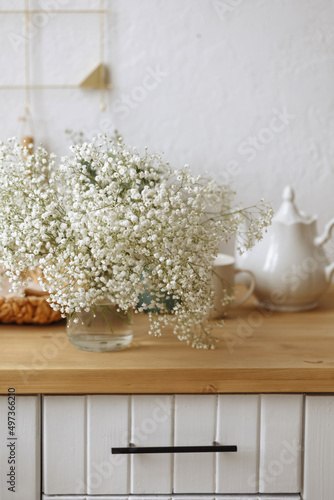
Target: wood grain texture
x,y
257,352
319,448
25,446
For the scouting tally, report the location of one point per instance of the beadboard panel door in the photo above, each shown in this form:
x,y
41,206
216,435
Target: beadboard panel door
x,y
62,497
64,445
195,425
79,432
319,448
281,443
75,497
184,497
23,448
152,425
108,420
238,423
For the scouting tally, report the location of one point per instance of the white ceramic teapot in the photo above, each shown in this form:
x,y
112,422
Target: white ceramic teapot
x,y
290,266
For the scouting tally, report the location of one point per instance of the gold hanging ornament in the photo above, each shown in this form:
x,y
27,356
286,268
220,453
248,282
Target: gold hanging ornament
x,y
26,132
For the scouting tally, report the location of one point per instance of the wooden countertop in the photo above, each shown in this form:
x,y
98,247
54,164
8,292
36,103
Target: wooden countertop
x,y
258,352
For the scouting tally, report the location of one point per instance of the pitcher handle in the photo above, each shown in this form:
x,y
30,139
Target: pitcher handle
x,y
329,270
249,291
324,237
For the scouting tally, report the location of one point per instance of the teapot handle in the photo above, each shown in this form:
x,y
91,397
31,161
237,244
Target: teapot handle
x,y
324,237
329,270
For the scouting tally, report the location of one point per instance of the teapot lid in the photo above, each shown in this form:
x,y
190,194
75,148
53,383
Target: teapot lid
x,y
288,213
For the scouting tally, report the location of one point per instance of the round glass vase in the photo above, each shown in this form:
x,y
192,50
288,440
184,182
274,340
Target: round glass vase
x,y
102,328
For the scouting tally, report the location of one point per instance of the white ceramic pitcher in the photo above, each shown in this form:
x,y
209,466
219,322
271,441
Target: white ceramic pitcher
x,y
290,266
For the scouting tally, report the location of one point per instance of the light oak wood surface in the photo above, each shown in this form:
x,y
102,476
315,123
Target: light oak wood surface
x,y
257,352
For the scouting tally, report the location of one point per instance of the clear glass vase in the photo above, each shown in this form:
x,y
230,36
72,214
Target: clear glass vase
x,y
102,328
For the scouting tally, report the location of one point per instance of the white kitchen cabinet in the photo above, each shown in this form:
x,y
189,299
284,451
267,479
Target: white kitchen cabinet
x,y
64,433
238,422
79,432
185,497
151,425
281,442
20,452
319,448
195,424
108,420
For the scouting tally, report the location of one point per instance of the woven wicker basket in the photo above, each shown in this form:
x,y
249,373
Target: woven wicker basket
x,y
31,309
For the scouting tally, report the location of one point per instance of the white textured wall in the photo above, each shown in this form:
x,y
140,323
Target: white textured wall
x,y
198,80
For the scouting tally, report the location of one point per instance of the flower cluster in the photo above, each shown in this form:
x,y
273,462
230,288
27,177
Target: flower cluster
x,y
109,221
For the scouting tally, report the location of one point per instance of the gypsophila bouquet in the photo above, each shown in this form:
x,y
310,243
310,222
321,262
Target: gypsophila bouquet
x,y
109,221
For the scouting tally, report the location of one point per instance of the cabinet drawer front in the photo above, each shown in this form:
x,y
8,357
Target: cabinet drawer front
x,y
108,419
20,451
238,422
176,497
281,443
319,448
195,424
79,432
151,425
64,444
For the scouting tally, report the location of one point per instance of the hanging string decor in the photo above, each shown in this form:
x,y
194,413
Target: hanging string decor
x,y
96,79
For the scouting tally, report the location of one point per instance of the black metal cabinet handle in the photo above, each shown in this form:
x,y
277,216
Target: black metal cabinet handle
x,y
132,449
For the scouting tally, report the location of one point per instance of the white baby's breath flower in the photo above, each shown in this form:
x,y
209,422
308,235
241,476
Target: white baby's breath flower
x,y
108,221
